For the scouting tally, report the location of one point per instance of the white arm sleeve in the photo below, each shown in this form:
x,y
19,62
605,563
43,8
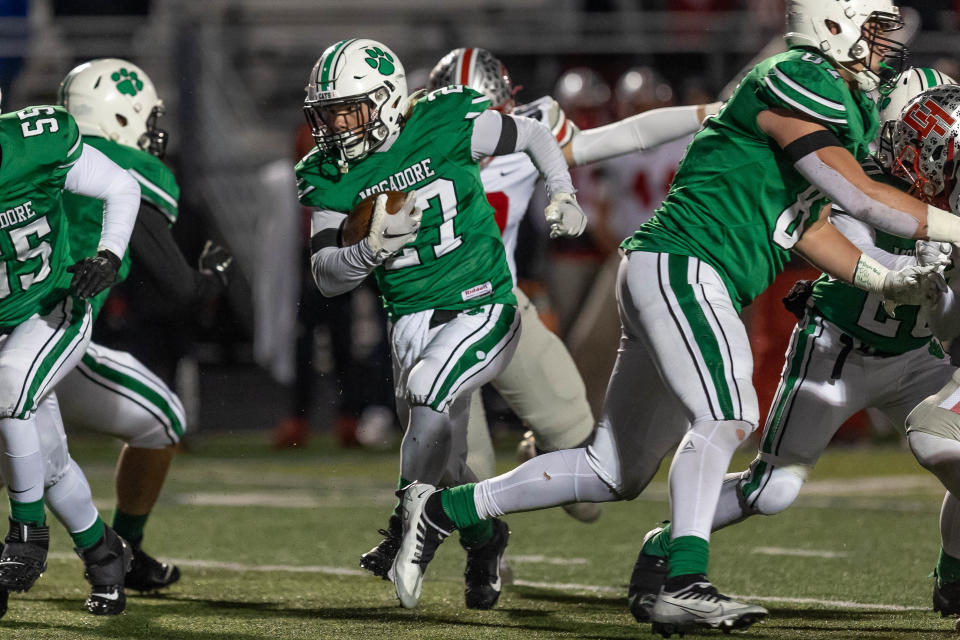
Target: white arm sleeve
x,y
854,201
636,133
96,176
863,237
336,270
496,134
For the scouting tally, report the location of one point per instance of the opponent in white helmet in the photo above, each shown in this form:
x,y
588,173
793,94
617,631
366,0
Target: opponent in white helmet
x,y
115,99
907,86
926,146
356,100
478,69
851,33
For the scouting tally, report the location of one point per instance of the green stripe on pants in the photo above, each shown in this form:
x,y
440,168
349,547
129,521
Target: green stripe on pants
x,y
67,341
486,343
702,332
774,422
149,396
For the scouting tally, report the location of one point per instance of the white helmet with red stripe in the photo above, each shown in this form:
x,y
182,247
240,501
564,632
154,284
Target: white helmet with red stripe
x,y
478,69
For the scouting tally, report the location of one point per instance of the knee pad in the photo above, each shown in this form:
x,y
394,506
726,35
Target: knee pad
x,y
768,490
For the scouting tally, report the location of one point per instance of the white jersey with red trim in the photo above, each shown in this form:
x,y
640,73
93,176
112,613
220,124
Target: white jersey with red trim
x,y
510,180
632,187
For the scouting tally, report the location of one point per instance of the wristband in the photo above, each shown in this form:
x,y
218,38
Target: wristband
x,y
869,275
942,226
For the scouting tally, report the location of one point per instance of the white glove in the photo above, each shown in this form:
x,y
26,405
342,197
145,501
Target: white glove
x,y
935,253
915,285
390,232
565,216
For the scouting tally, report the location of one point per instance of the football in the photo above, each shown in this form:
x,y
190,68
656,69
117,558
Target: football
x,y
357,225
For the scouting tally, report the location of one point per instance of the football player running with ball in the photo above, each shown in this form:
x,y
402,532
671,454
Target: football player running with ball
x,y
439,260
541,384
44,328
753,186
846,354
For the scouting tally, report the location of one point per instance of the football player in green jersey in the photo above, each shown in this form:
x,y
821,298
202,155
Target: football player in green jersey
x,y
752,187
846,354
116,108
439,262
45,323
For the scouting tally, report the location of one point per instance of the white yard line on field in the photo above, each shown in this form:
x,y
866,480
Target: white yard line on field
x,y
240,567
801,553
541,559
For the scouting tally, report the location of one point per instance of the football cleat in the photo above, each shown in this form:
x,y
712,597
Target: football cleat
x,y
482,575
421,537
379,559
700,606
583,511
4,597
24,556
649,574
946,598
106,565
149,574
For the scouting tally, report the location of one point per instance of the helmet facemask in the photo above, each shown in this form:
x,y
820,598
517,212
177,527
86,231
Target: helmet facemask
x,y
154,139
883,58
349,127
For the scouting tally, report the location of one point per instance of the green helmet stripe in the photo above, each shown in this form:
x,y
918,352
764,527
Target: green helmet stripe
x,y
330,64
931,78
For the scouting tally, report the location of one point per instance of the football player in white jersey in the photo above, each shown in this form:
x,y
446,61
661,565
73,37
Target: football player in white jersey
x,y
848,353
541,383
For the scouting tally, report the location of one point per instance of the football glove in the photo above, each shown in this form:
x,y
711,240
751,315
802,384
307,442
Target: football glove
x,y
93,275
565,217
389,233
217,261
935,253
914,285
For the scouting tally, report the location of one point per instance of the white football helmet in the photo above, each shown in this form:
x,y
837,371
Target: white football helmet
x,y
907,86
115,99
849,32
926,146
478,69
356,99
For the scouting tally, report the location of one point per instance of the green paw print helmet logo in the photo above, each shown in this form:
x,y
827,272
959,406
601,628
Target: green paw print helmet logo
x,y
127,82
380,60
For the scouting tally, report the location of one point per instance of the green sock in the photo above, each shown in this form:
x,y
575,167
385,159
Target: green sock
x,y
658,545
688,554
948,568
28,512
88,537
401,483
459,507
129,527
476,534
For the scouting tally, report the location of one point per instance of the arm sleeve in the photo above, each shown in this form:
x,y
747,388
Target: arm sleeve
x,y
96,176
336,269
863,237
636,133
154,248
496,134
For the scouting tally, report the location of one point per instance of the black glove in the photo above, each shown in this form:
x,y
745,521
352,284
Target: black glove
x,y
216,260
93,275
796,300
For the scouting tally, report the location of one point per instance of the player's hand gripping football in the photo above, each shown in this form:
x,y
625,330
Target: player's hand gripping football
x,y
390,232
565,217
216,260
93,275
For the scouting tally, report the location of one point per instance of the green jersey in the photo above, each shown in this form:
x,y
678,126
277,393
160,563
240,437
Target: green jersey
x,y
457,260
861,314
157,186
38,147
737,202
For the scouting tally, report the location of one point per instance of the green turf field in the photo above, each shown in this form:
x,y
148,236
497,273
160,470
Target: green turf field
x,y
269,542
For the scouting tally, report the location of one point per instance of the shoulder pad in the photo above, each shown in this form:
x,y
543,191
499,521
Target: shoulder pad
x,y
548,111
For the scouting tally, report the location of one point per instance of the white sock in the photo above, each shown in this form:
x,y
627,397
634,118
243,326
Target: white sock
x,y
729,510
21,463
70,500
549,480
697,474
